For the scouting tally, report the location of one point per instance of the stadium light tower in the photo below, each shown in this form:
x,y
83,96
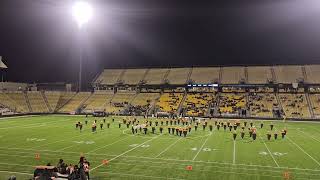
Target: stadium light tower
x,y
82,13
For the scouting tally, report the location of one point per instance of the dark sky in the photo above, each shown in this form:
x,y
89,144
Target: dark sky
x,y
40,41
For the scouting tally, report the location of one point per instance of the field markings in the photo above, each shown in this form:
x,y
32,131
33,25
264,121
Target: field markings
x,y
89,152
234,152
203,162
35,124
142,176
14,172
304,151
274,160
124,153
200,148
165,150
309,135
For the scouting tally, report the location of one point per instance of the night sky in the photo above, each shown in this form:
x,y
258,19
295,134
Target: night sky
x,y
40,42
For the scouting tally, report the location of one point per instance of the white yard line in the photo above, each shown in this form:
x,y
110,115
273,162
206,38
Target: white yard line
x,y
309,135
14,117
234,152
14,172
200,148
274,160
180,160
304,151
36,124
89,152
142,176
168,148
124,153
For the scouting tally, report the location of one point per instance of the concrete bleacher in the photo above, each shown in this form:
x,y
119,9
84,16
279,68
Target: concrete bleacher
x,y
98,101
261,104
259,74
64,98
232,75
6,101
288,74
178,75
109,76
75,102
143,99
133,76
155,76
205,75
295,105
313,74
20,101
52,98
315,102
37,103
119,102
197,104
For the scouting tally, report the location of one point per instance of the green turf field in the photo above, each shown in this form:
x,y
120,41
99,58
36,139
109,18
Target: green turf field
x,y
212,155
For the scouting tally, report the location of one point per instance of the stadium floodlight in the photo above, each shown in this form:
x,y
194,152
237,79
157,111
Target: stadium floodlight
x,y
82,12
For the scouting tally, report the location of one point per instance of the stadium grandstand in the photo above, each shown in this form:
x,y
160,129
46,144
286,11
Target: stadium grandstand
x,y
239,91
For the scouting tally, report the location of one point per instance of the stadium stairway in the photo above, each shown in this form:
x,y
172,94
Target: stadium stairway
x,y
62,105
142,81
310,105
304,73
165,77
181,103
81,105
27,101
279,102
248,112
119,80
46,101
189,75
274,77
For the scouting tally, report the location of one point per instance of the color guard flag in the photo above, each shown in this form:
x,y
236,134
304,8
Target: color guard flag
x,y
2,65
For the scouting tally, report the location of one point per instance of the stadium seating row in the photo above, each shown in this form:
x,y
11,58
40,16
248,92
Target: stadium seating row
x,y
253,104
204,75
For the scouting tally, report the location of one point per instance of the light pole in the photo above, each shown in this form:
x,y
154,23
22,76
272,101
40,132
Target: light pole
x,y
82,13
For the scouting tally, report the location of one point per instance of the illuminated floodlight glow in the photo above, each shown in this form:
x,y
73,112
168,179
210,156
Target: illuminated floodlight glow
x,y
82,12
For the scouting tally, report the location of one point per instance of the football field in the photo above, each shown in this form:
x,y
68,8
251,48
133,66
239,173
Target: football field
x,y
37,140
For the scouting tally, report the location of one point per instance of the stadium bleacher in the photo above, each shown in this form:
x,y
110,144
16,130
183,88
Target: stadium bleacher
x,y
52,98
37,103
232,103
288,74
133,76
119,102
232,75
169,102
75,102
98,101
258,100
259,74
109,76
205,75
197,104
295,105
178,75
155,76
315,102
64,98
261,104
20,101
